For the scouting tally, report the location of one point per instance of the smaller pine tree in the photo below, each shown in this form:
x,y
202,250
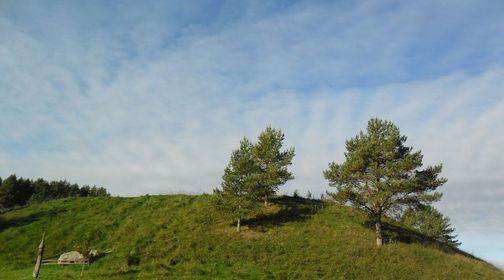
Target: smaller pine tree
x,y
429,221
309,195
295,193
238,196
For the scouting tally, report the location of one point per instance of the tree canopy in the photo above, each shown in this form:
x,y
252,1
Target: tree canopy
x,y
381,175
16,191
238,194
430,222
272,161
254,171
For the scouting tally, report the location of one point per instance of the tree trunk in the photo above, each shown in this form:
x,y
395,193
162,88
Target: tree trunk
x,y
379,236
265,200
239,219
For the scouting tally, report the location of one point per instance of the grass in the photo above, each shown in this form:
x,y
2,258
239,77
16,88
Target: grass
x,y
181,237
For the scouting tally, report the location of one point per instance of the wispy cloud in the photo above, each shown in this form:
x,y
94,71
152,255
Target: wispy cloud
x,y
152,98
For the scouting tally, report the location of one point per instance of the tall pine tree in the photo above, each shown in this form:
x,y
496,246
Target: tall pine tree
x,y
381,175
272,162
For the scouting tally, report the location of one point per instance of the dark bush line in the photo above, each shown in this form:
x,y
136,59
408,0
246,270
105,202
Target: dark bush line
x,y
16,192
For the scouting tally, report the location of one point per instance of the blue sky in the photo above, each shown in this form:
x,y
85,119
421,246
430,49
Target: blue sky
x,y
151,97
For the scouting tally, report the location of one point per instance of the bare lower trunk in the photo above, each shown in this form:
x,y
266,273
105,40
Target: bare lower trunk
x,y
266,200
379,236
239,220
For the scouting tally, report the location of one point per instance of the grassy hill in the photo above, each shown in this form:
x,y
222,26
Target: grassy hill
x,y
181,237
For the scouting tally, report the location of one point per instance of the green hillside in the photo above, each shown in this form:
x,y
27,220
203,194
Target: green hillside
x,y
181,237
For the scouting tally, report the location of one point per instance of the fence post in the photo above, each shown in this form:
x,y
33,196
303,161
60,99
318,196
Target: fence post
x,y
38,264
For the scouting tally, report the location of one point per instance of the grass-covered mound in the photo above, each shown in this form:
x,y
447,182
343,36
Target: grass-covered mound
x,y
181,237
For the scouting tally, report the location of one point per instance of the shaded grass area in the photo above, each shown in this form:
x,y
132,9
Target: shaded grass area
x,y
181,237
397,233
288,209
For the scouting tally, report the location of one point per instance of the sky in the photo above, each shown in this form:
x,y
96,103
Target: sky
x,y
152,96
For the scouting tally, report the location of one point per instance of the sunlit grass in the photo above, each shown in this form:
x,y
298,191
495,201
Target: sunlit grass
x,y
182,237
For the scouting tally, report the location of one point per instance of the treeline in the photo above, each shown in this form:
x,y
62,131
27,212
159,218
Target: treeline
x,y
16,191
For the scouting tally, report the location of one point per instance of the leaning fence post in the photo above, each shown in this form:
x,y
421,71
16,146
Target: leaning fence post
x,y
38,264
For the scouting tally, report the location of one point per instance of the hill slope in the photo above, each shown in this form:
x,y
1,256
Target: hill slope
x,y
181,237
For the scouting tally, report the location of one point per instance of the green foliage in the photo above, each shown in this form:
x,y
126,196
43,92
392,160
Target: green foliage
x,y
254,171
272,161
41,190
430,222
381,175
238,195
8,192
20,191
182,237
14,191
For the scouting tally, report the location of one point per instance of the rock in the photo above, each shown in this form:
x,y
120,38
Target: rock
x,y
72,257
93,253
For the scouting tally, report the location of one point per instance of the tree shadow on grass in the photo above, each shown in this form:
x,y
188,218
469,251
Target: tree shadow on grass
x,y
21,221
291,209
392,232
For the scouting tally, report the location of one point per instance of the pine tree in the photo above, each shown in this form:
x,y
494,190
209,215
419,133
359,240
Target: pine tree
x,y
272,162
295,193
101,191
309,195
429,221
41,190
23,191
15,191
8,192
238,194
381,175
